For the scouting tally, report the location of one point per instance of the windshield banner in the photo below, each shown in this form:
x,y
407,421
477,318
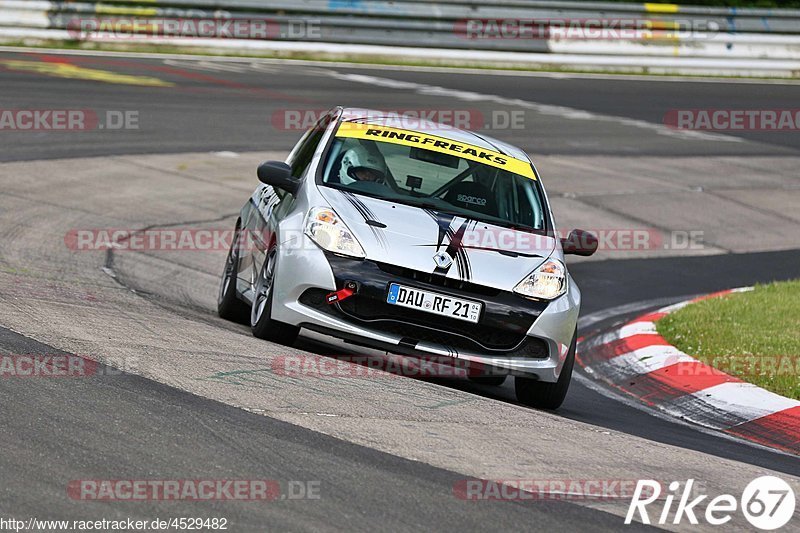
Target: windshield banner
x,y
436,144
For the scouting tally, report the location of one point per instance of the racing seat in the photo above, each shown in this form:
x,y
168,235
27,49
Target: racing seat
x,y
473,196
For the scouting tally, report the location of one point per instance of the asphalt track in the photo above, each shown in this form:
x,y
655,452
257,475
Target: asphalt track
x,y
123,426
111,425
230,108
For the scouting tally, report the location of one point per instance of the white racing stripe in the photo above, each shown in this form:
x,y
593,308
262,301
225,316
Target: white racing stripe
x,y
642,361
728,405
674,307
637,328
217,65
545,109
628,330
662,414
745,399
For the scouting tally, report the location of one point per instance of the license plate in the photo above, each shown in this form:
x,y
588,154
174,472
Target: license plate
x,y
431,302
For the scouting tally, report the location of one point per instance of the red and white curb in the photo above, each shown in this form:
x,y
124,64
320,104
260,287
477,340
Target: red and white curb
x,y
636,360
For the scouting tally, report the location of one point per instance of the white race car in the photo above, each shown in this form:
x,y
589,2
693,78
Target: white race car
x,y
423,242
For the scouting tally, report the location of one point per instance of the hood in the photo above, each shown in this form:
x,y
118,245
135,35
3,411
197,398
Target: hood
x,y
410,237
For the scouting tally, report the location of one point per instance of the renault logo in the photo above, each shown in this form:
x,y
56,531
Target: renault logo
x,y
442,260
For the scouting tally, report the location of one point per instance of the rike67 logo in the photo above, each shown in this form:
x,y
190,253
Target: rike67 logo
x,y
767,502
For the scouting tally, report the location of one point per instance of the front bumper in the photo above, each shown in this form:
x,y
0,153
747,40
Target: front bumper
x,y
514,335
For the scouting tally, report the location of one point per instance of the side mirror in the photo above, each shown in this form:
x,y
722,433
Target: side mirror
x,y
579,242
279,175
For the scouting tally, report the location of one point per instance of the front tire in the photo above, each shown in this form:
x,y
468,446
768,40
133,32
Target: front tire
x,y
261,322
229,306
541,395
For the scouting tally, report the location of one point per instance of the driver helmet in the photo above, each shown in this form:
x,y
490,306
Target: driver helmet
x,y
361,165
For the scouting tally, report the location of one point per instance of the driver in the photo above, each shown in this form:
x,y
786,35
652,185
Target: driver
x,y
360,165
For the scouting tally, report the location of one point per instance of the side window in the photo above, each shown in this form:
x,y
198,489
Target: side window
x,y
303,152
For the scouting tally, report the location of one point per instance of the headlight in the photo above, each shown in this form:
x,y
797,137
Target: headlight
x,y
325,228
547,282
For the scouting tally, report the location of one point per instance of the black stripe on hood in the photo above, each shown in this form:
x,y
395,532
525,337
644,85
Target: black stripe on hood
x,y
455,248
368,215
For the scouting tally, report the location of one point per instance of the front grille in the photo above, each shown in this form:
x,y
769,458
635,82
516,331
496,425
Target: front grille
x,y
437,279
368,310
421,326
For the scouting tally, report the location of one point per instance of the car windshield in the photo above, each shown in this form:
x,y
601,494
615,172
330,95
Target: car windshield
x,y
447,182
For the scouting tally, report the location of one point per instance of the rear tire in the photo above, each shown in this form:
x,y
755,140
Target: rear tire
x,y
261,322
542,395
229,306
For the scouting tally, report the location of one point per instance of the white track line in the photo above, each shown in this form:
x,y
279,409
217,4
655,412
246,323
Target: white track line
x,y
545,109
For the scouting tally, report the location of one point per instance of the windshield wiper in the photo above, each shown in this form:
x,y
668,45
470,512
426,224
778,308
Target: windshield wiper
x,y
471,216
432,207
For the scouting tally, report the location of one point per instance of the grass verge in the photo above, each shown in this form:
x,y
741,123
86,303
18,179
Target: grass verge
x,y
752,335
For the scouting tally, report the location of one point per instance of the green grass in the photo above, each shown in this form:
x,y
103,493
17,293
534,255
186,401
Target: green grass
x,y
752,335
